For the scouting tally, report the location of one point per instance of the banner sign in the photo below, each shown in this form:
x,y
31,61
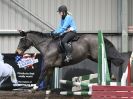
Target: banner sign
x,y
27,68
23,63
26,61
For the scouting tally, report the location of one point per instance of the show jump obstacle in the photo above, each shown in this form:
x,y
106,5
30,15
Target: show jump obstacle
x,y
99,85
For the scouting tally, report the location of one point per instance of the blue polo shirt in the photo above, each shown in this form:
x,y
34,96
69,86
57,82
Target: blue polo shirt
x,y
68,22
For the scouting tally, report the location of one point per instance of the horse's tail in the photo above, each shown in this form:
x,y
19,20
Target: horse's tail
x,y
113,54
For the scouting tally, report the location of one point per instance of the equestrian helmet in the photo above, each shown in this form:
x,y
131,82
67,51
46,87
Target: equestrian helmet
x,y
62,8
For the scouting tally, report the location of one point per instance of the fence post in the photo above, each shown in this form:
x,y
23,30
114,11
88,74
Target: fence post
x,y
103,71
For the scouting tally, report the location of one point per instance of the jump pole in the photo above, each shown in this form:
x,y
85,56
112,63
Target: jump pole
x,y
82,84
81,93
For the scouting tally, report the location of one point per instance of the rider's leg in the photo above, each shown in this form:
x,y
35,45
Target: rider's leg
x,y
67,38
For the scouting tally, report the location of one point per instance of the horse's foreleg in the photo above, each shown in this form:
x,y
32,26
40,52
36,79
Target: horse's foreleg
x,y
49,76
45,75
41,78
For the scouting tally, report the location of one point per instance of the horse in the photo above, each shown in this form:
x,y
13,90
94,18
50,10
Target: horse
x,y
86,47
6,70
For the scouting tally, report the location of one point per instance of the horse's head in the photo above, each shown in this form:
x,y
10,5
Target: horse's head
x,y
24,43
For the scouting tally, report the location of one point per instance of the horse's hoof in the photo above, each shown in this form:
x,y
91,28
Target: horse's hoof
x,y
113,77
35,88
48,92
31,91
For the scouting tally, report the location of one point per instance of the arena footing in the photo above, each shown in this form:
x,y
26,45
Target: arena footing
x,y
35,95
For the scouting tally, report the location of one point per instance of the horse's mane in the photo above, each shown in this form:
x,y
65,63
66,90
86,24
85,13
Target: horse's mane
x,y
38,33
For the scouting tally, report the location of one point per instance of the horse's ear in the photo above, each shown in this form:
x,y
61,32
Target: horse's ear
x,y
22,33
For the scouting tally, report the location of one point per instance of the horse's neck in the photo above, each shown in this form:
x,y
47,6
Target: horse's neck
x,y
42,46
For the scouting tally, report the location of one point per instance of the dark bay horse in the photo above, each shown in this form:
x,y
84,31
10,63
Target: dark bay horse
x,y
85,47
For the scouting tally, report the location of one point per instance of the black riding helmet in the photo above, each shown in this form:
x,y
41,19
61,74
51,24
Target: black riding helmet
x,y
63,9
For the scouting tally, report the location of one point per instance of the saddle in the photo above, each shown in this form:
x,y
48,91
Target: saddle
x,y
61,47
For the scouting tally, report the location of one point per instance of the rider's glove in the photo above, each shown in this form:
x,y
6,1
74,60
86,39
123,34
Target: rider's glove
x,y
54,34
51,33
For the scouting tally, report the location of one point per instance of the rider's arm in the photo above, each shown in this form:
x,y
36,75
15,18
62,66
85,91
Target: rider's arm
x,y
55,32
63,27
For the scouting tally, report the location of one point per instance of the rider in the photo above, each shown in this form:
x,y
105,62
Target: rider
x,y
67,29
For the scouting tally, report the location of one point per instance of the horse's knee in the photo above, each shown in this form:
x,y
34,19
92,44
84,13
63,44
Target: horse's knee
x,y
48,63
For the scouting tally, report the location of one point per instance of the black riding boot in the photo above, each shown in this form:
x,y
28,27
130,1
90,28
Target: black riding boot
x,y
68,52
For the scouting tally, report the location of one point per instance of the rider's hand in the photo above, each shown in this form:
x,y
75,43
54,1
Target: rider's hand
x,y
54,35
51,33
